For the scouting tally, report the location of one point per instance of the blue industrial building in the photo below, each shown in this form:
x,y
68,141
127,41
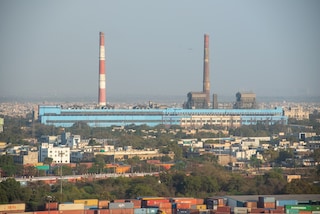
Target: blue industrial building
x,y
60,117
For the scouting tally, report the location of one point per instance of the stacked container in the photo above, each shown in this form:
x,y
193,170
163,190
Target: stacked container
x,y
267,202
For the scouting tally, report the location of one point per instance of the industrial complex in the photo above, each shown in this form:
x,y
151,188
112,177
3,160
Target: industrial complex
x,y
197,111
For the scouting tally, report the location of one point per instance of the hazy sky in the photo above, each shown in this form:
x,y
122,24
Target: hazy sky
x,y
51,48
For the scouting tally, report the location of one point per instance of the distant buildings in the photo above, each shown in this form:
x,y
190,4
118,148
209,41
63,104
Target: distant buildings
x,y
1,124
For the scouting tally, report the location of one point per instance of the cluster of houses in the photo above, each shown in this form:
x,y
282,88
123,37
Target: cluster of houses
x,y
232,151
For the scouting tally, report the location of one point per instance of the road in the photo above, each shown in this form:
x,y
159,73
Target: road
x,y
80,177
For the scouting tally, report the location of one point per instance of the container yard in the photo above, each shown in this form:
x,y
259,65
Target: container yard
x,y
307,204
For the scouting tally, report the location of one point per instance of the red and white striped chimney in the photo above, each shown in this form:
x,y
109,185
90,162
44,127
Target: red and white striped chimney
x,y
102,72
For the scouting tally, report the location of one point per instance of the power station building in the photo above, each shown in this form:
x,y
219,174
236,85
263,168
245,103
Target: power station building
x,y
57,116
197,112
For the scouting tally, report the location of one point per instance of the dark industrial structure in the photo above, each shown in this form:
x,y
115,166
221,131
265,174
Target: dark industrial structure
x,y
245,100
201,100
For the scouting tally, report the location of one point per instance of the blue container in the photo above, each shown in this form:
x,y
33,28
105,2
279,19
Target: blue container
x,y
145,210
283,203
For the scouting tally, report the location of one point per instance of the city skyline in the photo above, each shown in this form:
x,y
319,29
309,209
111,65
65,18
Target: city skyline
x,y
51,49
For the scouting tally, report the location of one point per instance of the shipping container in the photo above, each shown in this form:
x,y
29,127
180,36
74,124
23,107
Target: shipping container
x,y
119,200
136,202
90,207
51,206
303,207
224,209
264,199
103,212
119,205
182,206
292,211
275,211
70,212
121,211
286,202
240,210
184,200
153,202
165,206
166,211
268,205
199,207
45,212
182,211
205,211
12,207
305,212
91,212
251,204
103,204
145,211
63,207
210,202
199,201
87,202
256,210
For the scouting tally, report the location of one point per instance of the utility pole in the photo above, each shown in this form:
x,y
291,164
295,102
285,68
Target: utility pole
x,y
61,154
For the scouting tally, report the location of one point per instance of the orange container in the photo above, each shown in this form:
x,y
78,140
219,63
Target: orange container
x,y
183,206
136,202
103,204
185,200
165,206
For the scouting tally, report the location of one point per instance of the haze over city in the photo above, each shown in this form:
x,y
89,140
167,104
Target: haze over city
x,y
155,49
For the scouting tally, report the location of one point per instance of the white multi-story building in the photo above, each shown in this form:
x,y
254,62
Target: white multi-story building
x,y
57,153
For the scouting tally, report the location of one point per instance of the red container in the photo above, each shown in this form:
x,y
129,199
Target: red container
x,y
257,210
91,211
185,200
153,202
104,211
224,209
52,206
46,212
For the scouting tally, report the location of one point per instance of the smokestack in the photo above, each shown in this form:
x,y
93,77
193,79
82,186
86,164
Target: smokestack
x,y
206,78
102,72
